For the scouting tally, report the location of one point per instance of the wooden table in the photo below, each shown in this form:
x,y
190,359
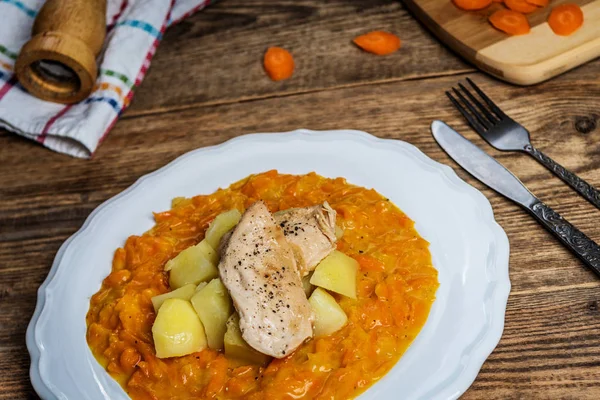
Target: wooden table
x,y
206,85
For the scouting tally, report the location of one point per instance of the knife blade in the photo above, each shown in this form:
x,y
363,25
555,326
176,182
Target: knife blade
x,y
482,166
493,174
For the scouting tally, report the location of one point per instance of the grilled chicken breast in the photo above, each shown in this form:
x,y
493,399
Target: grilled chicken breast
x,y
259,269
311,232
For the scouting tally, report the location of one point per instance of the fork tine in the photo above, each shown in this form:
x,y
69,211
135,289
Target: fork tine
x,y
472,121
482,121
492,118
489,101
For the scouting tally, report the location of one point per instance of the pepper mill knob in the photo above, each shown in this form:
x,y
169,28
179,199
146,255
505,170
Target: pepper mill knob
x,y
59,62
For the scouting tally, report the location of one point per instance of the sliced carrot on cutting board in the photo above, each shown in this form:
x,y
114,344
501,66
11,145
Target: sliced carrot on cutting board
x,y
520,6
509,21
278,63
472,4
378,42
565,19
539,3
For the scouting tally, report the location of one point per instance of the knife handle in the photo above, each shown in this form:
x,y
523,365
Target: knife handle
x,y
584,247
586,190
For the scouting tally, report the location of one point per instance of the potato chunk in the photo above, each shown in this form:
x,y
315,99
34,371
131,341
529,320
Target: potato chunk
x,y
308,288
337,272
185,293
329,316
177,330
213,305
193,265
202,249
221,224
200,286
236,346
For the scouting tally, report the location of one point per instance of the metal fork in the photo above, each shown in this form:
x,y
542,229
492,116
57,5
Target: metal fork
x,y
503,133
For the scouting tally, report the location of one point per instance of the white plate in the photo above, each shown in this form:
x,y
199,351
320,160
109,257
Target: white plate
x,y
468,247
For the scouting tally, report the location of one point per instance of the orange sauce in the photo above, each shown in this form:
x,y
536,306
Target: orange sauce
x,y
396,287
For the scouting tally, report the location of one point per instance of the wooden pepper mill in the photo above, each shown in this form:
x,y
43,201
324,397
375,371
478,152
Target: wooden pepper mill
x,y
59,62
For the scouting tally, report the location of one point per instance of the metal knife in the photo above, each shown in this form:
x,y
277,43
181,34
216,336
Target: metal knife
x,y
496,176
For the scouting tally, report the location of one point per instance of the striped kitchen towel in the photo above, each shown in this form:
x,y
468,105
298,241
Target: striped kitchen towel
x,y
135,28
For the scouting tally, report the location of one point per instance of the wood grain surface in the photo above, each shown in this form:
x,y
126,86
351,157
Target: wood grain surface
x,y
206,86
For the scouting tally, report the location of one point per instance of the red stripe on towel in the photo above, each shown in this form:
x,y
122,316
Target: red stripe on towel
x,y
192,11
7,86
51,122
124,4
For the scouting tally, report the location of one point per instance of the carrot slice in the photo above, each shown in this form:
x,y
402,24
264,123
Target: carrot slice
x,y
278,63
565,19
498,1
509,21
539,3
470,5
378,42
520,6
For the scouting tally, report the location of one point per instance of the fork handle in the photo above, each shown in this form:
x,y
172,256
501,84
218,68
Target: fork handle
x,y
584,247
586,190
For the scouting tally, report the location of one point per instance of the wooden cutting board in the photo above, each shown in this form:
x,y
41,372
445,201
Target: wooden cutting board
x,y
523,60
